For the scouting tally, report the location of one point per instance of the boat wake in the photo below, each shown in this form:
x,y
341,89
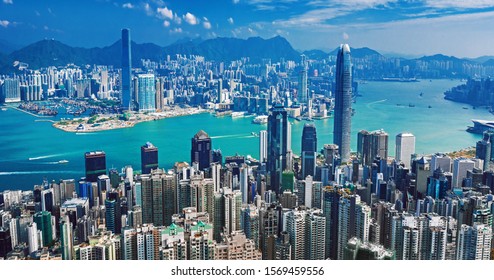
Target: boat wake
x,y
43,157
48,162
227,136
378,101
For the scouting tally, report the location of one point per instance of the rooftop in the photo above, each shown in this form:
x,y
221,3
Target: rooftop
x,y
201,135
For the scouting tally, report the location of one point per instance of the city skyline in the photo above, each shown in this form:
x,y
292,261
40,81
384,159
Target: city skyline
x,y
214,153
389,26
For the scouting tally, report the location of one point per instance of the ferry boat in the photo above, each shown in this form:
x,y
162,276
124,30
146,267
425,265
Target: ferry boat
x,y
260,119
238,114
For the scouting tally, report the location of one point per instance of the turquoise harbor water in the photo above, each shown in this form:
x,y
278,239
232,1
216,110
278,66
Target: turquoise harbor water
x,y
30,149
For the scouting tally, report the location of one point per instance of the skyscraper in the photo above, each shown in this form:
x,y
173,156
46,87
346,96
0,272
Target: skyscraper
x,y
303,93
277,145
113,212
474,243
483,149
372,144
10,91
95,165
66,238
5,242
405,147
295,226
146,92
201,150
263,146
159,197
43,222
309,150
126,70
460,167
149,158
343,102
32,237
315,230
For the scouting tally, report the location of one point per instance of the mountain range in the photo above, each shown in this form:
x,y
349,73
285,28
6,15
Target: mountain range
x,y
54,53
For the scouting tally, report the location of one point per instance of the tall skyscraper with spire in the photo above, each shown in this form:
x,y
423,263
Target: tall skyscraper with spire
x,y
343,103
126,70
303,93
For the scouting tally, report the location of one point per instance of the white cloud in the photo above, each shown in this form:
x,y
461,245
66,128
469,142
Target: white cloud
x,y
466,18
459,4
165,12
311,18
207,25
345,36
128,6
176,30
4,23
190,19
166,23
46,27
8,2
358,4
269,5
158,2
235,1
37,13
230,20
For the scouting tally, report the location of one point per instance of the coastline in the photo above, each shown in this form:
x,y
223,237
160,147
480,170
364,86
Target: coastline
x,y
100,123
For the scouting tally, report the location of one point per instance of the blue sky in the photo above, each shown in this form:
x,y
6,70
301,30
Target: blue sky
x,y
415,27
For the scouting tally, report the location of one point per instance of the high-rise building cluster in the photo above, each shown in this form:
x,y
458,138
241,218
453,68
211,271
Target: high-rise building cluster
x,y
325,203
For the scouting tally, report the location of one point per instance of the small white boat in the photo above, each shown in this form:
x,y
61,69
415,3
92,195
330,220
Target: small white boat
x,y
260,120
238,114
63,161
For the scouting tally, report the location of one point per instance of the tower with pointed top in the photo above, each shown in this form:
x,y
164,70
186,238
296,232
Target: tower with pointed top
x,y
126,74
343,102
303,93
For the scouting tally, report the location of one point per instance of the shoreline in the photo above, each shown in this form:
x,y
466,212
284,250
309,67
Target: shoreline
x,y
111,122
26,112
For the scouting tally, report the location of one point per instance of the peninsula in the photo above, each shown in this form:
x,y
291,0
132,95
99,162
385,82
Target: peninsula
x,y
103,122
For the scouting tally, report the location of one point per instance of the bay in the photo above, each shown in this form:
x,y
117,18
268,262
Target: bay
x,y
30,149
